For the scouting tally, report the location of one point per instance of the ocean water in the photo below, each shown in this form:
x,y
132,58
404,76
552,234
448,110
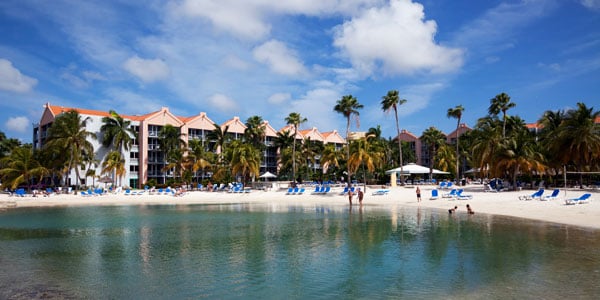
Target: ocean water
x,y
255,251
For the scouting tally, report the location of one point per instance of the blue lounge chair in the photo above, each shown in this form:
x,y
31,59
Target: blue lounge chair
x,y
461,196
290,191
318,189
344,191
127,192
434,194
300,191
442,185
536,195
380,192
552,196
327,190
585,198
451,194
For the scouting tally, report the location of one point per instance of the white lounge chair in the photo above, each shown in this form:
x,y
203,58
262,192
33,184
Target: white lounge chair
x,y
552,196
585,198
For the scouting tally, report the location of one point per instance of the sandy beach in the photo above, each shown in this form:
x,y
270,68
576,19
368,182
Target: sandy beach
x,y
505,203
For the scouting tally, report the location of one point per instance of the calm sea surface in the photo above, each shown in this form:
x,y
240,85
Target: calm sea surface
x,y
290,252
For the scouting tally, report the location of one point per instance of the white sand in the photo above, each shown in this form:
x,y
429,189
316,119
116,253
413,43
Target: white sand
x,y
502,203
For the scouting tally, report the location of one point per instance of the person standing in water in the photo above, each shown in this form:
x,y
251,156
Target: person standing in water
x,y
350,194
360,196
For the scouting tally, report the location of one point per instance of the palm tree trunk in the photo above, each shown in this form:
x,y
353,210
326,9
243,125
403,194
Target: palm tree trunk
x,y
399,148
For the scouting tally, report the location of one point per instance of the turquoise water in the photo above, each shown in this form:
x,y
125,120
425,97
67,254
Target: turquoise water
x,y
297,252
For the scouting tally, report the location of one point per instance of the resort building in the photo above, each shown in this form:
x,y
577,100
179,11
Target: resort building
x,y
145,160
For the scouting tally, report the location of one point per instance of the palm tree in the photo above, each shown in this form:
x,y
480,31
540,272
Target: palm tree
x,y
255,132
198,157
171,143
220,138
363,154
579,137
294,119
245,160
348,106
21,166
330,157
501,103
518,153
116,132
392,101
7,144
69,133
445,158
486,138
114,164
456,113
433,138
550,123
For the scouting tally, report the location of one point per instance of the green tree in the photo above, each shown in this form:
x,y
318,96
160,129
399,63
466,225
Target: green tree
x,y
20,167
579,137
501,103
255,132
245,160
518,154
456,113
114,164
433,138
220,137
294,119
116,132
7,144
330,157
69,133
348,106
392,101
364,154
198,157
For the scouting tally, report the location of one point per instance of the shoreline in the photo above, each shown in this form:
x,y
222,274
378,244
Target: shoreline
x,y
504,203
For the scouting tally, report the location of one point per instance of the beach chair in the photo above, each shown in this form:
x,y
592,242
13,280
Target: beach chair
x,y
380,192
318,190
585,198
300,191
84,194
289,191
449,185
344,191
552,196
442,185
461,196
327,190
434,194
127,192
451,194
536,195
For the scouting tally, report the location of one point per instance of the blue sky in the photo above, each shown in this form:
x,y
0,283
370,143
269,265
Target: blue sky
x,y
269,58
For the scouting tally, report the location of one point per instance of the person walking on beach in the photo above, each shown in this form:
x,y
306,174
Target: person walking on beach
x,y
350,194
418,194
360,196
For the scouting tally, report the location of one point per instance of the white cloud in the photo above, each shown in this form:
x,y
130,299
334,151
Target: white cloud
x,y
222,103
249,19
18,124
395,39
11,79
279,98
148,70
591,4
279,58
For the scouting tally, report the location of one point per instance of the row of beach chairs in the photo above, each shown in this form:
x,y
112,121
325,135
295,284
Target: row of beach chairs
x,y
454,194
295,191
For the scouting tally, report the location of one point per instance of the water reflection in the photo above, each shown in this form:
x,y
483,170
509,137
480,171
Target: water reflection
x,y
242,250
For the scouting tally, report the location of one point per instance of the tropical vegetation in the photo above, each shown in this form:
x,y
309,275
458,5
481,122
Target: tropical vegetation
x,y
499,145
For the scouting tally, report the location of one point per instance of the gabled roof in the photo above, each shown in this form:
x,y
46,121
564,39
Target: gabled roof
x,y
200,121
407,136
333,137
162,117
235,125
290,128
462,128
269,130
313,134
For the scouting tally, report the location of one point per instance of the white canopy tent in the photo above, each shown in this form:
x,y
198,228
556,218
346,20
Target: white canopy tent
x,y
267,175
409,169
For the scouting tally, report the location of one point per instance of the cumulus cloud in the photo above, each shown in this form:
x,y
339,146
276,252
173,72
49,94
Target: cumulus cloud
x,y
17,124
11,79
279,58
395,39
222,103
148,70
591,4
279,98
249,19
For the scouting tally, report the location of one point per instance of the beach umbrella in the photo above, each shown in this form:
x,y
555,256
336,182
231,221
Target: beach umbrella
x,y
267,175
